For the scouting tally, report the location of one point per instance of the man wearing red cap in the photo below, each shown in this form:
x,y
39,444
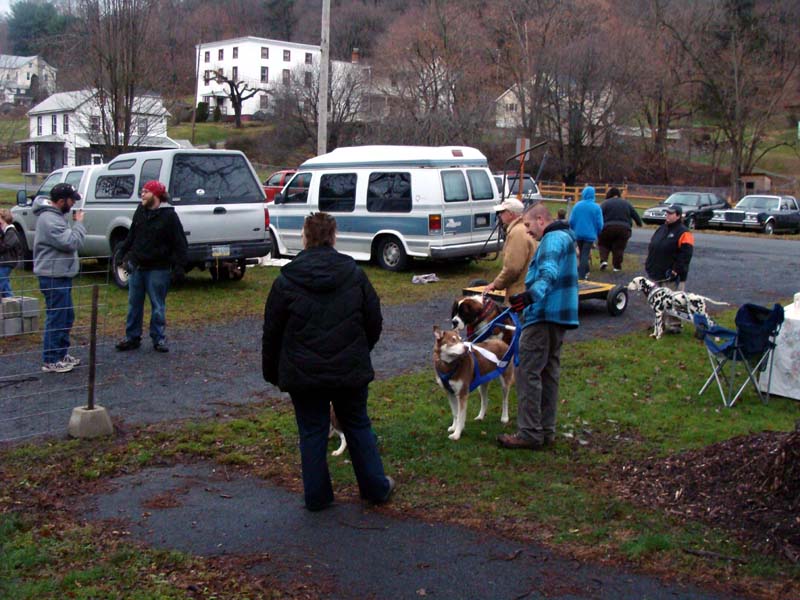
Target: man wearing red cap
x,y
156,244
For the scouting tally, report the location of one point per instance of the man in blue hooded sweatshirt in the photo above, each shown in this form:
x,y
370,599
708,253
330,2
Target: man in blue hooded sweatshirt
x,y
586,220
550,307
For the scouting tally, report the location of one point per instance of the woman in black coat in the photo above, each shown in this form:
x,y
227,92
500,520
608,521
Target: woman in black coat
x,y
322,318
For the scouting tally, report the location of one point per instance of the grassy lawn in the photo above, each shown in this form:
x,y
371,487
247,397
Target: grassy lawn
x,y
208,133
620,401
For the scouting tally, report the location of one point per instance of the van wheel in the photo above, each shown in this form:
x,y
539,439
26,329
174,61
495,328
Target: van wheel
x,y
275,252
119,273
391,254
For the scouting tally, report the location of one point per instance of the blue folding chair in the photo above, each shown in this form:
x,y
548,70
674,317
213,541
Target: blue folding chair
x,y
751,345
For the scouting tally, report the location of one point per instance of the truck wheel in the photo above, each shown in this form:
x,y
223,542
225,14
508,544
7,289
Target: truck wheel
x,y
617,300
219,271
391,254
236,269
119,273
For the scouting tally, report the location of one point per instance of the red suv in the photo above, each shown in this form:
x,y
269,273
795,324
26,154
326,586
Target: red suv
x,y
276,181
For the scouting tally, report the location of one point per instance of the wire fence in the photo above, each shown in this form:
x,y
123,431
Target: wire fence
x,y
45,338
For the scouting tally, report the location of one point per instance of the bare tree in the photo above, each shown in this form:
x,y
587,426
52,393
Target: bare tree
x,y
239,90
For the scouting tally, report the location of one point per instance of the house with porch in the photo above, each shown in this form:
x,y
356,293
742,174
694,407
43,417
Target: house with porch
x,y
71,128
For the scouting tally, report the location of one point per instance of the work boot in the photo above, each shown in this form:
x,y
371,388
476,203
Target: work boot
x,y
127,344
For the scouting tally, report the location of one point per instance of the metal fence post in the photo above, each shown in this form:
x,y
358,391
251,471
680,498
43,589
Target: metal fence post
x,y
93,347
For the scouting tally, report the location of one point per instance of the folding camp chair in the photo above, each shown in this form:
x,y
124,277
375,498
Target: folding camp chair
x,y
750,345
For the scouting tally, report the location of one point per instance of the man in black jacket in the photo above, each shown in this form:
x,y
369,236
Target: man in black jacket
x,y
618,217
155,245
321,320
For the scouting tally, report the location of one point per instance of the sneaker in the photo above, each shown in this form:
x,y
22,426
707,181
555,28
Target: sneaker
x,y
616,270
603,266
161,346
388,495
57,367
71,360
127,344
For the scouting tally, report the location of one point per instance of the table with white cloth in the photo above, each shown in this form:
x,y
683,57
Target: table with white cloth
x,y
786,360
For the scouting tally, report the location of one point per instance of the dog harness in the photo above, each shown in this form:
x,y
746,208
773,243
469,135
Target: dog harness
x,y
488,306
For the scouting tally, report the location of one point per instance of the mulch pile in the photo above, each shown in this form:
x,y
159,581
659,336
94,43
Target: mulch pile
x,y
748,484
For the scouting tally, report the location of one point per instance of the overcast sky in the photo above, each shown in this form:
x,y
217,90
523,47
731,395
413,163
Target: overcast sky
x,y
4,4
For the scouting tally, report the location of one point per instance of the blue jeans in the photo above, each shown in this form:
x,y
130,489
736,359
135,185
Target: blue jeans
x,y
156,285
312,412
585,249
5,282
60,315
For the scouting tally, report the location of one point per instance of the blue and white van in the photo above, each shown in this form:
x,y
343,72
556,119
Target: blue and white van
x,y
392,203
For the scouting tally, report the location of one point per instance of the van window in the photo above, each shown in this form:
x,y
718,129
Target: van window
x,y
151,169
74,178
114,187
337,192
480,184
389,192
210,179
455,186
297,190
122,164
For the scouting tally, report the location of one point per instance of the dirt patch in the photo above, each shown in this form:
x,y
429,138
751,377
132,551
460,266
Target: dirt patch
x,y
749,485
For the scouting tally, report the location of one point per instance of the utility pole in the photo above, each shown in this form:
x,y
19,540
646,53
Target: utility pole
x,y
322,101
196,86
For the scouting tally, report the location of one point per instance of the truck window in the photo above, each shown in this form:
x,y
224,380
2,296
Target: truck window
x,y
74,178
151,170
389,192
47,184
337,192
212,179
114,187
480,184
455,186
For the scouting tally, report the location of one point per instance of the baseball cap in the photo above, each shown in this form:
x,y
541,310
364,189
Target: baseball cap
x,y
61,191
511,205
675,209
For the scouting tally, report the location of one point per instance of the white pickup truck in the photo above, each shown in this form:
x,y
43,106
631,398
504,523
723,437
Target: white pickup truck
x,y
216,194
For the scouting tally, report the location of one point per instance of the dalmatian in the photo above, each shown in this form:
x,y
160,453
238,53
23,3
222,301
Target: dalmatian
x,y
662,299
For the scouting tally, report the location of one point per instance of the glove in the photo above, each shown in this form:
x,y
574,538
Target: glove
x,y
519,301
671,275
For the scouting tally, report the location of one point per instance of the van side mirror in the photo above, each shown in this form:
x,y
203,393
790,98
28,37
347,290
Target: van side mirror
x,y
278,198
22,198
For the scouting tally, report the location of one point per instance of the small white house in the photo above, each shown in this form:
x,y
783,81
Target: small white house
x,y
261,63
67,129
23,77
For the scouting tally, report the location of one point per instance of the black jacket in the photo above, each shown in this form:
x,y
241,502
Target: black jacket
x,y
156,239
671,249
321,320
10,248
618,211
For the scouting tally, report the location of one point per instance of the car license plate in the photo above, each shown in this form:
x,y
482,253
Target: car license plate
x,y
220,251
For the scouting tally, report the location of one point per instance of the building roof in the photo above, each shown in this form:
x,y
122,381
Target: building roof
x,y
43,139
67,101
146,141
9,61
258,40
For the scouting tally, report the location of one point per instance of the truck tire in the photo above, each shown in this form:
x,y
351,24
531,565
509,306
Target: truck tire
x,y
119,273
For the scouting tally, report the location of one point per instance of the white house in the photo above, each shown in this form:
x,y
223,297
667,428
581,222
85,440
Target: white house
x,y
260,62
67,129
23,77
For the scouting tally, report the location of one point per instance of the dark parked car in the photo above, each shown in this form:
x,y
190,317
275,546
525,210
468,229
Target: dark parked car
x,y
698,208
762,213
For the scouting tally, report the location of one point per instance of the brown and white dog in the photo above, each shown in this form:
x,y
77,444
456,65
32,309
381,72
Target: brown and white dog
x,y
474,313
336,429
455,359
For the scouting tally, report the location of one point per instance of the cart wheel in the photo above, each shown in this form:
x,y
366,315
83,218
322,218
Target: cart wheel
x,y
617,300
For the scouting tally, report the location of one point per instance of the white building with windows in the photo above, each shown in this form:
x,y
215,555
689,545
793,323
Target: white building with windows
x,y
22,78
261,63
67,129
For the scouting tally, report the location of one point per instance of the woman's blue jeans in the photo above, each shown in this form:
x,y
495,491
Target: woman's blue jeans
x,y
156,285
5,282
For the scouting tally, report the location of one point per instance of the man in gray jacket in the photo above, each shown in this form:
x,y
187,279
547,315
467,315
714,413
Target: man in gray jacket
x,y
55,262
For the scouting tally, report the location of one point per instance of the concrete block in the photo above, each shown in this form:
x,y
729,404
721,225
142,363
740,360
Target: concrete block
x,y
30,306
85,423
12,307
11,326
30,324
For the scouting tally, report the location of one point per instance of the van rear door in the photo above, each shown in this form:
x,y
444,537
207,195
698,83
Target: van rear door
x,y
482,200
220,199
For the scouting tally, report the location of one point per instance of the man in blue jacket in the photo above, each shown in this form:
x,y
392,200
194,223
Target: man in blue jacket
x,y
586,220
550,307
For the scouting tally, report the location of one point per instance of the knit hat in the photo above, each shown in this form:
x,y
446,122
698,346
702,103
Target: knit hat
x,y
156,188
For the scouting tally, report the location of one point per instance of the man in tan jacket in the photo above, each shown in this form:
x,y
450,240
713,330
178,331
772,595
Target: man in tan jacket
x,y
518,249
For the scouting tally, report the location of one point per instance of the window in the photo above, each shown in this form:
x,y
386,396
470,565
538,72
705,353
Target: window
x,y
141,126
287,77
119,165
308,78
28,76
54,124
337,192
263,101
211,178
235,52
297,190
309,58
151,169
207,56
264,52
119,187
455,186
235,73
206,76
264,74
220,54
74,178
94,124
480,184
511,107
66,123
287,55
389,192
38,125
